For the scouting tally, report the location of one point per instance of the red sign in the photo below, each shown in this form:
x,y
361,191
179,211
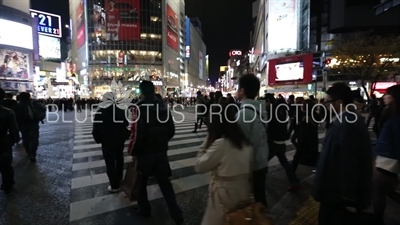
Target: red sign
x,y
172,29
382,86
294,65
235,53
122,20
80,24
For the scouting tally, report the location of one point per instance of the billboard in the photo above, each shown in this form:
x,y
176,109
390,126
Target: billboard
x,y
296,69
187,49
282,25
99,24
201,65
49,47
122,20
80,24
14,65
172,28
16,34
48,24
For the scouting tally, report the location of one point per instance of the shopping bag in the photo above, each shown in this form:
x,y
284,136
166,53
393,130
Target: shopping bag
x,y
132,181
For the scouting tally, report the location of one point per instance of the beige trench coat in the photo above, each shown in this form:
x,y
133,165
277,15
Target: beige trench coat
x,y
230,184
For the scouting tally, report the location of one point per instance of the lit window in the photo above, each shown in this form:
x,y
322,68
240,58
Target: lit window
x,y
154,18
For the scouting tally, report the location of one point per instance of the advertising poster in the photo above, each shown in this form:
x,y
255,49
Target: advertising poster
x,y
122,20
201,65
172,29
289,70
99,24
50,47
14,65
282,27
80,24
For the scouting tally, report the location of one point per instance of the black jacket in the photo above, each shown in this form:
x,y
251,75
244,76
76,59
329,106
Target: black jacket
x,y
110,125
278,123
22,114
9,103
154,127
9,132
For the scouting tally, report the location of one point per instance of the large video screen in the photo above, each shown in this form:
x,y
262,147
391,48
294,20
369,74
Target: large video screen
x,y
49,47
289,71
14,65
16,34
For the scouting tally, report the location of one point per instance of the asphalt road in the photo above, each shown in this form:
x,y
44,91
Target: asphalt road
x,y
68,184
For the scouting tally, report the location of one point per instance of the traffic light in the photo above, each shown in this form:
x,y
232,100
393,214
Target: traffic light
x,y
327,62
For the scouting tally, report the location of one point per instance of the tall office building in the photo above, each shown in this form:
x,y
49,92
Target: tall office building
x,y
129,41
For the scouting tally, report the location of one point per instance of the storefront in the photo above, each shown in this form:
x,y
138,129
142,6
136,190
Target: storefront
x,y
16,51
379,88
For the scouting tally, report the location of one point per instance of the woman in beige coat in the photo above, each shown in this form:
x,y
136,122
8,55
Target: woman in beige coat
x,y
227,154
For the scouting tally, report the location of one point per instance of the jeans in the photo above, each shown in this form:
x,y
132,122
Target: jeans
x,y
30,138
114,158
157,165
6,170
279,150
259,180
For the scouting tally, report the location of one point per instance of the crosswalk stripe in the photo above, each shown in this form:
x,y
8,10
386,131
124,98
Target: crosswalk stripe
x,y
85,148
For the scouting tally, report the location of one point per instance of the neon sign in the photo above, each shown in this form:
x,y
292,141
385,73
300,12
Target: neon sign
x,y
48,24
235,53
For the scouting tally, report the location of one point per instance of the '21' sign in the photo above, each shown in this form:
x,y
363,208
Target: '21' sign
x,y
48,24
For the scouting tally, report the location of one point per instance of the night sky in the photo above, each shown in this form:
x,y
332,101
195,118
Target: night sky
x,y
226,24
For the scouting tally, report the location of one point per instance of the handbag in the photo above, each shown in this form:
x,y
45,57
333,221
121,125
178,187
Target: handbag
x,y
132,181
247,212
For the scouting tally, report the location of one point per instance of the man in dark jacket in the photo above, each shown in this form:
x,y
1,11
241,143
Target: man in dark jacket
x,y
200,111
344,171
277,110
9,135
110,128
153,130
9,102
29,125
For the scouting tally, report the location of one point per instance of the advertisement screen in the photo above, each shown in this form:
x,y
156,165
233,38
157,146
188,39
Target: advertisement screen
x,y
289,71
48,24
21,35
295,69
122,20
282,25
49,47
14,65
99,24
80,24
172,29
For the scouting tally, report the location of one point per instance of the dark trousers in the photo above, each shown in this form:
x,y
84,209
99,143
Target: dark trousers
x,y
157,165
332,215
383,183
30,138
259,180
200,120
113,154
6,170
279,150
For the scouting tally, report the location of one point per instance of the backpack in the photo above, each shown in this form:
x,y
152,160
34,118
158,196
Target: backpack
x,y
39,111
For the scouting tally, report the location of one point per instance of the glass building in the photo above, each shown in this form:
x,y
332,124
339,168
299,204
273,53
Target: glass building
x,y
129,41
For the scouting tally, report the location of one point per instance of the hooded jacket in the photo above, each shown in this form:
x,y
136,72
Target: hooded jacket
x,y
255,130
152,127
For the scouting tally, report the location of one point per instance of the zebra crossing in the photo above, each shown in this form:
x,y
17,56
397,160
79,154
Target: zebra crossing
x,y
89,194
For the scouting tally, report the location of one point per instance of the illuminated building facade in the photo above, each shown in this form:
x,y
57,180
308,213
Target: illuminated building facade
x,y
129,41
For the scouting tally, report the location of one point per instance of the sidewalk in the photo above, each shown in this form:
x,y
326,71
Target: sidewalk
x,y
300,208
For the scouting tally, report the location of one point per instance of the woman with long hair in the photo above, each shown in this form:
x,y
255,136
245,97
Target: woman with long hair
x,y
226,153
387,152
